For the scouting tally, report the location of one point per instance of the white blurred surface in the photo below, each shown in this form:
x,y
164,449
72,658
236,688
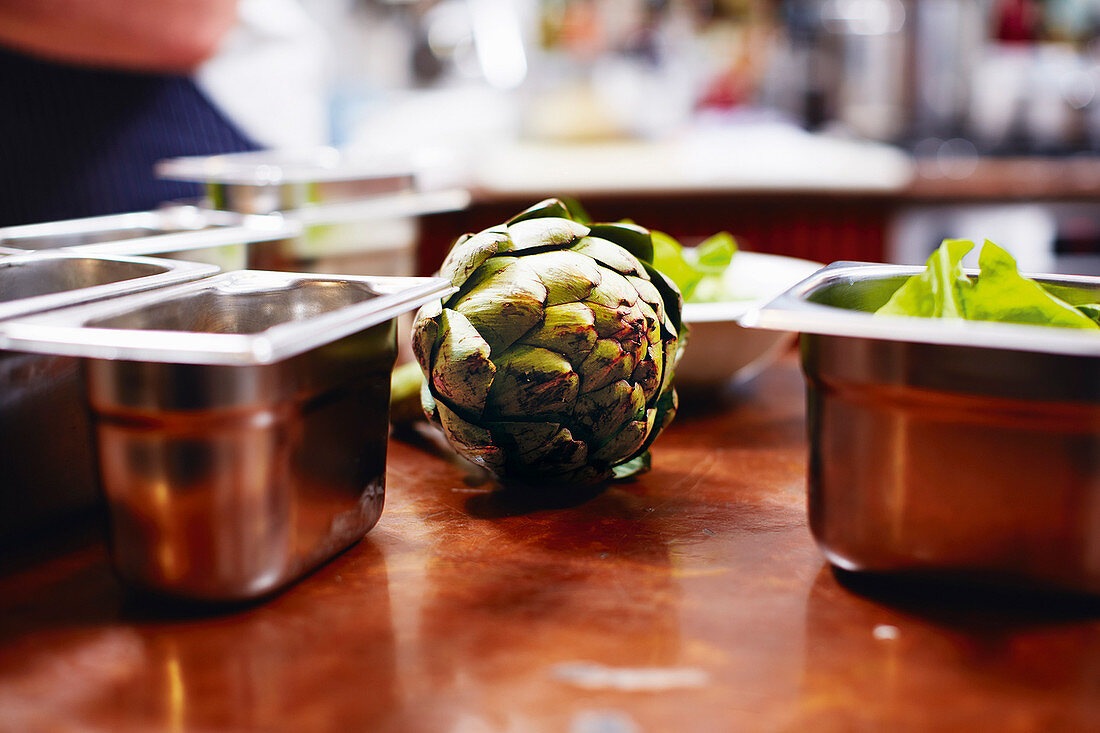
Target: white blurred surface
x,y
1026,231
763,156
718,348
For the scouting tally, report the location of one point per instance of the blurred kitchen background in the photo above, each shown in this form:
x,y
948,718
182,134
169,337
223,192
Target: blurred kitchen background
x,y
829,129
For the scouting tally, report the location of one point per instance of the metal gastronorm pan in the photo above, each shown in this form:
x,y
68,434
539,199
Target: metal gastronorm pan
x,y
954,449
44,433
358,211
241,421
223,238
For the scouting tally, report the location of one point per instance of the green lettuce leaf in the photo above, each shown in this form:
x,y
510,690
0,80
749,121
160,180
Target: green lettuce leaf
x,y
939,291
697,271
1000,293
1003,294
1092,310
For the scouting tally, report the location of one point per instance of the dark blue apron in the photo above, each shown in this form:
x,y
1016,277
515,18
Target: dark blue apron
x,y
82,142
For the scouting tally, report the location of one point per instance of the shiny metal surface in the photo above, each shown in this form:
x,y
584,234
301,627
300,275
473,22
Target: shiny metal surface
x,y
236,319
44,431
274,180
31,283
223,238
240,422
357,212
691,599
949,449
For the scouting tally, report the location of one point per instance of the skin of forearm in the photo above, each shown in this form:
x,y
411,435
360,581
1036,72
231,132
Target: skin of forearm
x,y
136,35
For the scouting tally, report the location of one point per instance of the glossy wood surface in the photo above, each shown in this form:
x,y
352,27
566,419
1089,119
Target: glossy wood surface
x,y
693,599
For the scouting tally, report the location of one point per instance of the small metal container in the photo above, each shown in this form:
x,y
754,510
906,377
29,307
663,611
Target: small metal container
x,y
263,181
48,468
229,240
358,212
957,450
240,421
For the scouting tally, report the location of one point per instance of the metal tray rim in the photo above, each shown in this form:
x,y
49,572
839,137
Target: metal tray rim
x,y
218,228
791,311
258,168
175,272
64,331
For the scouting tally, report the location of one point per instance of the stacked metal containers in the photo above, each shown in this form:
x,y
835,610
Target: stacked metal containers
x,y
178,231
44,434
237,425
357,214
240,421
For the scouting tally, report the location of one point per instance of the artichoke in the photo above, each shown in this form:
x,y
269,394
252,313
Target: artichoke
x,y
552,362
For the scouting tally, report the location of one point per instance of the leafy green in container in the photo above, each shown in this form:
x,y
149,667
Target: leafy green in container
x,y
1000,292
697,271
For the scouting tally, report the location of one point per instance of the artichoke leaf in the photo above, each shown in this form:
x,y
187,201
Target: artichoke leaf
x,y
552,207
561,453
604,412
567,276
618,322
634,334
610,255
671,356
462,370
532,382
663,415
488,269
506,305
652,324
647,373
427,402
636,345
525,437
466,256
666,410
657,418
634,467
649,294
472,441
670,296
426,333
614,290
544,232
568,329
606,363
634,239
623,443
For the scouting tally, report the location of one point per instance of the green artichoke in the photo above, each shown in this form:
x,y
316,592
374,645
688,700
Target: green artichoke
x,y
552,363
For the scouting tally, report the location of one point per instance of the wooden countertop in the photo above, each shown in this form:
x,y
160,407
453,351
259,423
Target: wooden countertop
x,y
692,599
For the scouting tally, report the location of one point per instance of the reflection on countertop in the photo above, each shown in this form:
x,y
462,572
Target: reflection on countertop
x,y
693,597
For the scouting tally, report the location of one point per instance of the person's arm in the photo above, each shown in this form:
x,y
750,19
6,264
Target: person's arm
x,y
138,35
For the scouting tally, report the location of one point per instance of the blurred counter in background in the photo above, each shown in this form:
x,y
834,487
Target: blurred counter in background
x,y
828,129
817,198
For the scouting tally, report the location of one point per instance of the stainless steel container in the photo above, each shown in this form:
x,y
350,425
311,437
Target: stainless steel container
x,y
240,422
263,181
358,213
48,468
950,449
223,238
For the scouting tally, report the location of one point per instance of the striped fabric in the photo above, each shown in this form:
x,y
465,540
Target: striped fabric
x,y
82,142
